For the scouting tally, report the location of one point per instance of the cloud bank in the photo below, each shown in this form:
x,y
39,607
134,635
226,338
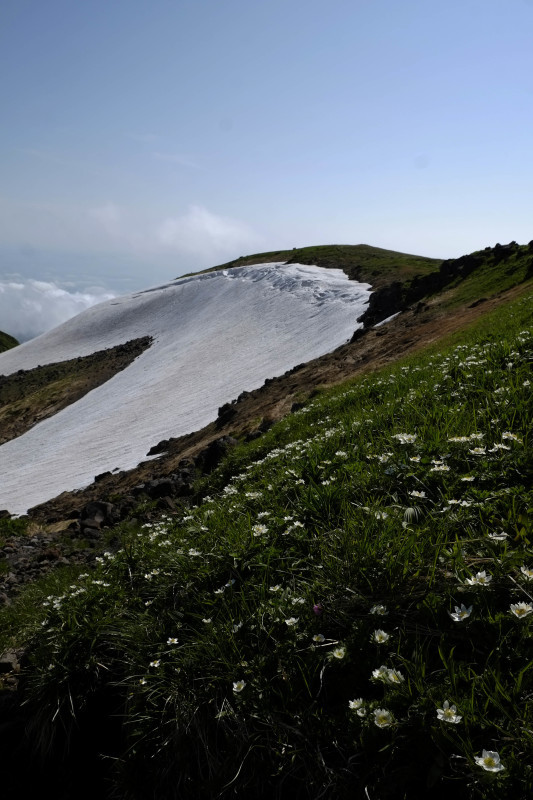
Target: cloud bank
x,y
200,232
29,308
194,235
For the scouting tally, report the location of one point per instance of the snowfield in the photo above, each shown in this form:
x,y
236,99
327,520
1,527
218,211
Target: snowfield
x,y
214,336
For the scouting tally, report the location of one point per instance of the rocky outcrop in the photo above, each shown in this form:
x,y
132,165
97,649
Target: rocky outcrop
x,y
399,296
211,456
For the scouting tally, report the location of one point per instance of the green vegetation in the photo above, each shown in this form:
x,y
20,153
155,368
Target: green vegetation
x,y
29,396
7,341
360,262
487,272
346,613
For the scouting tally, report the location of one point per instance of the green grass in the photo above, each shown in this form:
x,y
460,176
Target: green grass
x,y
7,341
239,641
495,271
361,262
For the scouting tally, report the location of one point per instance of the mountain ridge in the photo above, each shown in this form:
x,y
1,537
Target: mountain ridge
x,y
425,302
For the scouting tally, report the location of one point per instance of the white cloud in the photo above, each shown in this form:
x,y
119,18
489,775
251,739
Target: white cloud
x,y
203,233
198,234
32,307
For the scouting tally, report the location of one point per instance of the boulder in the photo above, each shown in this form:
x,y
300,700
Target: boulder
x,y
211,456
99,512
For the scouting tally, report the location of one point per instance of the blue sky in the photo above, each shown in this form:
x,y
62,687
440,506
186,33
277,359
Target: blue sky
x,y
143,139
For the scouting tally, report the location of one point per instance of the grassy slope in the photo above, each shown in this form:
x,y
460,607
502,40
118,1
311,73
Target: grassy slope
x,y
7,341
328,526
361,261
30,396
400,280
493,270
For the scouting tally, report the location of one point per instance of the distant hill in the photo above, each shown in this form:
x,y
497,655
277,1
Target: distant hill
x,y
361,262
7,341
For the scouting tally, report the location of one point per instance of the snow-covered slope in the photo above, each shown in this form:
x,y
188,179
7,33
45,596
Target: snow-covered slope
x,y
215,335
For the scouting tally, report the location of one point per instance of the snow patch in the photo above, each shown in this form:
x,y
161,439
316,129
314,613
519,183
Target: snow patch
x,y
214,336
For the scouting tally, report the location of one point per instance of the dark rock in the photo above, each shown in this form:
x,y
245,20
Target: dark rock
x,y
93,524
166,503
49,555
4,514
358,334
478,302
9,661
90,533
160,447
162,487
226,413
98,511
211,456
383,303
102,476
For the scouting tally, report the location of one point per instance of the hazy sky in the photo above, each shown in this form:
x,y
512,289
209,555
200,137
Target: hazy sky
x,y
143,139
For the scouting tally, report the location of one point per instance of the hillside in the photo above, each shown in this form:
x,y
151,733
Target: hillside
x,y
361,262
432,303
340,609
7,341
211,337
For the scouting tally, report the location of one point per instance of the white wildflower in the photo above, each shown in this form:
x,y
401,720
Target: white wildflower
x,y
461,613
480,579
380,637
521,609
387,675
383,718
338,652
448,713
490,761
405,438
